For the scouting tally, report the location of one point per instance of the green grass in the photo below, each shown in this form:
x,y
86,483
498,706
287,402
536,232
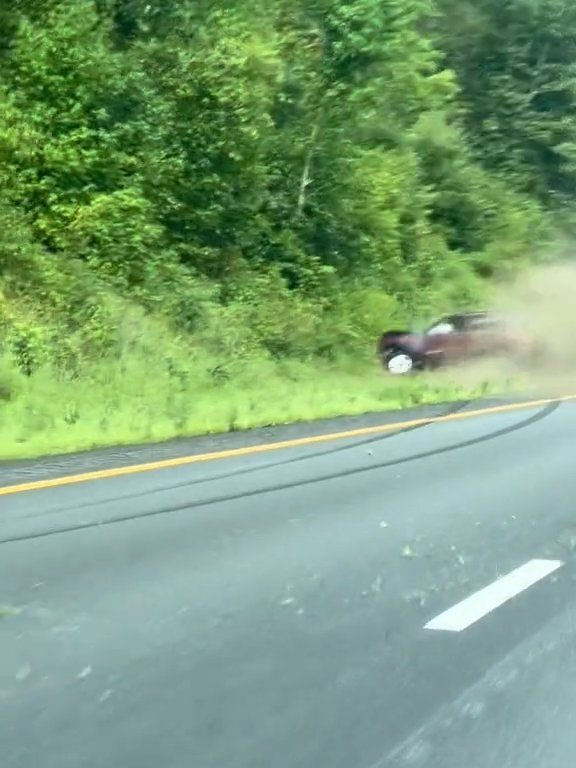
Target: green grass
x,y
151,397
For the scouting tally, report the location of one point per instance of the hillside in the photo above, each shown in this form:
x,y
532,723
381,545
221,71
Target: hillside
x,y
207,214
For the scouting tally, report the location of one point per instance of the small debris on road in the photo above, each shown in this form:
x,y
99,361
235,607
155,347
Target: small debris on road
x,y
376,585
105,696
8,610
288,601
85,673
408,552
24,672
417,597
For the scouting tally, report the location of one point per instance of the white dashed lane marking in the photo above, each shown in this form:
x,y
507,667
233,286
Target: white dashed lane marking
x,y
479,604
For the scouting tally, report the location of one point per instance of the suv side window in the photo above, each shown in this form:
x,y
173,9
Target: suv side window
x,y
444,326
479,324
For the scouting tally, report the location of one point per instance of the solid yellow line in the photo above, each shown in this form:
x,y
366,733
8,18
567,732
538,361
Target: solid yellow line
x,y
104,474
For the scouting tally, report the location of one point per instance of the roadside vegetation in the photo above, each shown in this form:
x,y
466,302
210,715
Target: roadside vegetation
x,y
209,213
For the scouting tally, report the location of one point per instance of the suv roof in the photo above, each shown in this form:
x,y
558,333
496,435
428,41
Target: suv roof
x,y
466,321
471,315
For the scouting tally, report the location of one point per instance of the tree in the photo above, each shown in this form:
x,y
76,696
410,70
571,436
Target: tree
x,y
515,62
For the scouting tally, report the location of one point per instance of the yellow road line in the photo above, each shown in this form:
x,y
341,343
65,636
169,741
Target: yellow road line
x,y
104,474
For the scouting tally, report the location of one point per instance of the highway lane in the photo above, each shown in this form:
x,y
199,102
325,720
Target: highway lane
x,y
271,610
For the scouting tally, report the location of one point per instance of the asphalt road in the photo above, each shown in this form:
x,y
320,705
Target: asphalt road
x,y
325,605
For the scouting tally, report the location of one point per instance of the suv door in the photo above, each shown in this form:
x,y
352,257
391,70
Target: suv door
x,y
447,340
485,336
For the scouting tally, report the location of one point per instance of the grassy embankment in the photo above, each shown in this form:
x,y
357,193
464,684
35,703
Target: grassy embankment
x,y
140,400
125,375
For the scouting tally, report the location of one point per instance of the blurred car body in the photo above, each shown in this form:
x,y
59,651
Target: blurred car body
x,y
450,339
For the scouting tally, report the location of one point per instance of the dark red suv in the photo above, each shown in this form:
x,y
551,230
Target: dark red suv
x,y
451,339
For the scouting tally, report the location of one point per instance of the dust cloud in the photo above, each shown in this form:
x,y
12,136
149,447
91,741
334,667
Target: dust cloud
x,y
538,309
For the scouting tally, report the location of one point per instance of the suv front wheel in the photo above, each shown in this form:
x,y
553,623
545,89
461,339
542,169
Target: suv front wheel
x,y
398,361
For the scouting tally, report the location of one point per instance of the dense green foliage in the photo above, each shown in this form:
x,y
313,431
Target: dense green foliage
x,y
270,179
